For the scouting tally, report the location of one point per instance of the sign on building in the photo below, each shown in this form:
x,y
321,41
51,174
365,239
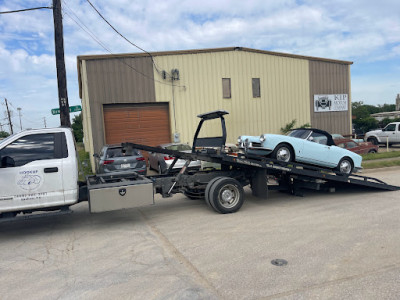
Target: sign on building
x,y
327,103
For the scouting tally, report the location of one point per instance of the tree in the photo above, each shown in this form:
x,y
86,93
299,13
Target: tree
x,y
291,125
77,127
4,134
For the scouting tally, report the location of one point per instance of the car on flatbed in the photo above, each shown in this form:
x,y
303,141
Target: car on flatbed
x,y
304,145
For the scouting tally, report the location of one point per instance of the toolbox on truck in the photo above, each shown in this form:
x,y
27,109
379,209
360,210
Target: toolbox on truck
x,y
115,191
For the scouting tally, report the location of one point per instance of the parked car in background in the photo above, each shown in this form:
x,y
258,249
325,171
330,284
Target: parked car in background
x,y
359,148
305,145
337,136
114,158
161,162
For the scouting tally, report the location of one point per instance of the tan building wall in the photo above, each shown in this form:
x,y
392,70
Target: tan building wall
x,y
284,89
287,87
330,78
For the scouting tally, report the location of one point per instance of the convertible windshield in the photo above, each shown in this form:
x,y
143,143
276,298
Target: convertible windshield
x,y
300,133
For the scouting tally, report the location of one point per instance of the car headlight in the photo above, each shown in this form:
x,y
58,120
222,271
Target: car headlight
x,y
262,138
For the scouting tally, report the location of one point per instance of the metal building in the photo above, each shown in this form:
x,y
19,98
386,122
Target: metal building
x,y
154,99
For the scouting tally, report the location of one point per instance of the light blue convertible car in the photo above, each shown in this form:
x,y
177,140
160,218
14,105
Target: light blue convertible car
x,y
305,145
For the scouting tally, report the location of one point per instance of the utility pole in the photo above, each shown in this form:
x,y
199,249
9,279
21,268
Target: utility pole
x,y
19,114
44,120
9,117
60,64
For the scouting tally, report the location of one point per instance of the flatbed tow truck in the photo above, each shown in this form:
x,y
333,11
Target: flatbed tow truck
x,y
221,188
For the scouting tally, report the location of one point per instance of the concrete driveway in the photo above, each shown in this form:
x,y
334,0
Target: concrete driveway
x,y
343,245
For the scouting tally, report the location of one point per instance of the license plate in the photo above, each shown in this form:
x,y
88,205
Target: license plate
x,y
124,166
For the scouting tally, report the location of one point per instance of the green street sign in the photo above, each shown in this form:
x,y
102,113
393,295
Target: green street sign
x,y
56,111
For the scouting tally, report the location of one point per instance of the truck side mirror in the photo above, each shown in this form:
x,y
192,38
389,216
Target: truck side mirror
x,y
7,162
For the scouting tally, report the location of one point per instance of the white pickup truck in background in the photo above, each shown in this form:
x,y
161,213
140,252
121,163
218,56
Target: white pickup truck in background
x,y
390,134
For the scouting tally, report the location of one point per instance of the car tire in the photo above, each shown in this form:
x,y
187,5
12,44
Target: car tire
x,y
283,152
226,195
372,140
345,166
160,172
372,151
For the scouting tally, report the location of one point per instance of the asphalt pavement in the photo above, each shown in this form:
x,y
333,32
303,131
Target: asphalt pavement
x,y
342,245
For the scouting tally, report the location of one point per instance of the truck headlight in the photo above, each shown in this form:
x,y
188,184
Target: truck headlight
x,y
262,138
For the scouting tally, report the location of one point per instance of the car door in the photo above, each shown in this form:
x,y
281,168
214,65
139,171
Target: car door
x,y
315,150
35,178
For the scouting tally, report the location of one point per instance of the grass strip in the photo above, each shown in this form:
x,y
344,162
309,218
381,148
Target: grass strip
x,y
84,160
381,164
380,155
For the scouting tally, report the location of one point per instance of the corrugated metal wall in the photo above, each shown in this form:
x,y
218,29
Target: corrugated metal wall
x,y
330,78
116,80
284,91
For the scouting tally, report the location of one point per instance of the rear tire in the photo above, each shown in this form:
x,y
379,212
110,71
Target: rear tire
x,y
283,152
226,195
207,191
345,166
372,140
372,151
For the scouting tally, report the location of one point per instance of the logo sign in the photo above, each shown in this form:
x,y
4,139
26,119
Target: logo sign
x,y
29,180
122,192
333,102
56,111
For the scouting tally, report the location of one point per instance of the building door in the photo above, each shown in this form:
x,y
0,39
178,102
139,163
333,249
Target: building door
x,y
146,124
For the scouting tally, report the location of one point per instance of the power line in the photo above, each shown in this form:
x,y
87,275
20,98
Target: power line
x,y
133,44
26,9
97,40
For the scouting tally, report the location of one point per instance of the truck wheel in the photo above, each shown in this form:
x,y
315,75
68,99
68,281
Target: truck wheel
x,y
283,152
372,140
226,195
207,191
345,166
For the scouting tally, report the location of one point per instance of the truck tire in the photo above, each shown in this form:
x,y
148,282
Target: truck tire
x,y
207,191
226,195
373,140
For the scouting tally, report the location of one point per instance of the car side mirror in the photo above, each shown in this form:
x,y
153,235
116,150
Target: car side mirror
x,y
96,155
311,139
7,162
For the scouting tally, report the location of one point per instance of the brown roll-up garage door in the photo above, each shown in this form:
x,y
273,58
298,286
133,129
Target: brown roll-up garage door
x,y
146,124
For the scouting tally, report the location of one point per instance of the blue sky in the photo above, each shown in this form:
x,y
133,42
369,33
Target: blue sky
x,y
365,32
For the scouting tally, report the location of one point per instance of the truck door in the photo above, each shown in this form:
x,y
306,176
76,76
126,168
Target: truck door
x,y
390,133
31,172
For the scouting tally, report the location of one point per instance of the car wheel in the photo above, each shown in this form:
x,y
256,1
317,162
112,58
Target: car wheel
x,y
373,140
160,170
283,152
372,151
345,166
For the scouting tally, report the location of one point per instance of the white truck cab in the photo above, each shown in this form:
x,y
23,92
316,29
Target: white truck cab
x,y
38,170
